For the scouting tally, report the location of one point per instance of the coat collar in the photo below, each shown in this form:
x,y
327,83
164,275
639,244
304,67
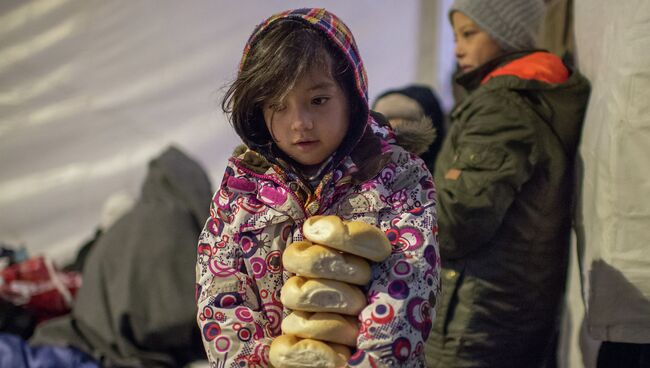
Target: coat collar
x,y
472,80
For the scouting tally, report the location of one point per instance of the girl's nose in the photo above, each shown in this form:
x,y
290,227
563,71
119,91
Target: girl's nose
x,y
301,120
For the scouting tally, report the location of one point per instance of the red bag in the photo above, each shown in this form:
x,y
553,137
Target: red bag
x,y
38,287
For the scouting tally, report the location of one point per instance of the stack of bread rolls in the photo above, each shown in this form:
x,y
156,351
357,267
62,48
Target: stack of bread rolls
x,y
324,295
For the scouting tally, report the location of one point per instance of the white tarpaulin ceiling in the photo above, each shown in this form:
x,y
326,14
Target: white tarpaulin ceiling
x,y
91,90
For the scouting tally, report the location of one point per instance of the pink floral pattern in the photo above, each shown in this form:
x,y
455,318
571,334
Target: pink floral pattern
x,y
239,269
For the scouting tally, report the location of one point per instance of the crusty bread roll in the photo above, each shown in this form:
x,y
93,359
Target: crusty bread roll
x,y
353,237
330,327
312,260
322,295
288,351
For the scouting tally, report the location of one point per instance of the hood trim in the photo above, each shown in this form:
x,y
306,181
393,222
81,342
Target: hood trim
x,y
539,66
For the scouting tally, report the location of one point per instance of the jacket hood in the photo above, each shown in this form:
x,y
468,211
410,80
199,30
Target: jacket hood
x,y
539,66
556,92
415,135
416,117
342,39
174,176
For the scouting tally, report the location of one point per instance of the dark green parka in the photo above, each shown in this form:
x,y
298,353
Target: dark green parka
x,y
505,178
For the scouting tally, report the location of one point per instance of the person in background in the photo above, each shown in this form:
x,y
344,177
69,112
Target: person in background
x,y
505,179
299,103
415,109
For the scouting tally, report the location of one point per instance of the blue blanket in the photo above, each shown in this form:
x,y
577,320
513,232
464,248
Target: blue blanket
x,y
16,353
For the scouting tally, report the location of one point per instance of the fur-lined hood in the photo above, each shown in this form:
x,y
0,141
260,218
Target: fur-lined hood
x,y
417,118
414,135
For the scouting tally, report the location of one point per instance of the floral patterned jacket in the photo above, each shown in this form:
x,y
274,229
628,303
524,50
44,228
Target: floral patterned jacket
x,y
255,215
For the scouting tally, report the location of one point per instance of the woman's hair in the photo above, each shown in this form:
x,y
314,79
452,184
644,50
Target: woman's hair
x,y
278,57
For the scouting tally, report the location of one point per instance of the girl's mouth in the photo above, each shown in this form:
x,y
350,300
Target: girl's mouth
x,y
305,144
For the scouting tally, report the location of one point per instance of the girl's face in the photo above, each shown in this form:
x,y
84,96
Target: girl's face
x,y
474,47
312,120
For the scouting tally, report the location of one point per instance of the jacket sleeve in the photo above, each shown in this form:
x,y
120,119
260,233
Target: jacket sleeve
x,y
402,294
233,328
481,169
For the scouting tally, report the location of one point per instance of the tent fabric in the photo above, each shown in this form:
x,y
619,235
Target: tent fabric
x,y
92,90
613,50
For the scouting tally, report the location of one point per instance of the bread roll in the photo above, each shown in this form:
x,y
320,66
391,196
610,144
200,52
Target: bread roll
x,y
330,327
353,237
288,351
312,260
321,295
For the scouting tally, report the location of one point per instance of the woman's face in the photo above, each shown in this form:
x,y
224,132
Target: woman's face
x,y
312,120
474,47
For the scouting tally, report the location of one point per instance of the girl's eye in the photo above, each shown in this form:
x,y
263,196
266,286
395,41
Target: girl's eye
x,y
276,107
319,100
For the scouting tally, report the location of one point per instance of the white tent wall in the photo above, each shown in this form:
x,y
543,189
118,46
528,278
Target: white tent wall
x,y
613,50
92,90
436,60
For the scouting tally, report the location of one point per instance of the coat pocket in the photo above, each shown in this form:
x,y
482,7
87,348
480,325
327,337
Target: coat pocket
x,y
474,168
479,157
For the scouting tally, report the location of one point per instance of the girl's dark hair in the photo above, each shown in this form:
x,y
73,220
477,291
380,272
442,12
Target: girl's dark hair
x,y
284,52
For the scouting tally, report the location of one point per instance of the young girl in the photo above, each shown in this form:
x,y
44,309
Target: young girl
x,y
505,182
299,103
